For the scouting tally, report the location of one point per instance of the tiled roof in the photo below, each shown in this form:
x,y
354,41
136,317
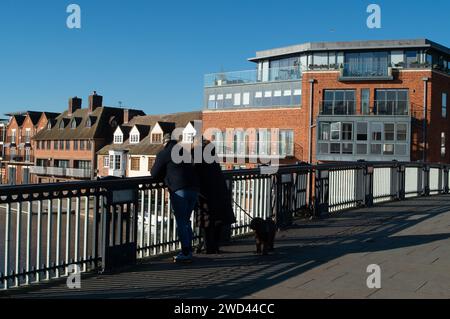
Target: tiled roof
x,y
106,121
145,147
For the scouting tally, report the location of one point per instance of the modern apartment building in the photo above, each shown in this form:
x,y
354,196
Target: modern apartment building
x,y
66,148
18,155
135,144
335,101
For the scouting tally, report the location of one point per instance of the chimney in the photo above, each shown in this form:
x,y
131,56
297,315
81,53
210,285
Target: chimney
x,y
95,101
74,104
126,116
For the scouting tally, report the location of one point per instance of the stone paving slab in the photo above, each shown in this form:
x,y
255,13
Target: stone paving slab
x,y
327,258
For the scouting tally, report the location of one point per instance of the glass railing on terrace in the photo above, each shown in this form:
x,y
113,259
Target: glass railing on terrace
x,y
392,108
253,76
366,70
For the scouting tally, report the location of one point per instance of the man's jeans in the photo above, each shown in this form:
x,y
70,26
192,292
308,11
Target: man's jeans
x,y
183,203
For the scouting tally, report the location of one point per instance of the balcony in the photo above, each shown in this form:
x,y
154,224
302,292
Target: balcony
x,y
366,72
18,158
253,76
62,172
381,108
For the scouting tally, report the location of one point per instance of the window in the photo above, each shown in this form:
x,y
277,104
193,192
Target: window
x,y
237,99
366,64
75,145
443,150
134,138
55,145
188,137
323,148
286,143
151,162
238,143
402,130
212,101
61,145
73,125
361,131
157,138
444,105
365,101
335,131
246,98
377,129
61,124
106,161
411,58
88,145
335,148
391,102
115,162
68,145
263,141
347,148
49,145
401,149
89,122
324,131
118,139
135,163
347,131
82,145
389,131
82,164
388,149
375,149
361,149
338,102
38,145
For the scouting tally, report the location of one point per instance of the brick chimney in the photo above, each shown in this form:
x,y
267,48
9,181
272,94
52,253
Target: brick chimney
x,y
74,104
95,101
126,116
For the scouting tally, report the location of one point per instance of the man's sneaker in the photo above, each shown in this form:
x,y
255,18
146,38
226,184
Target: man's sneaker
x,y
182,258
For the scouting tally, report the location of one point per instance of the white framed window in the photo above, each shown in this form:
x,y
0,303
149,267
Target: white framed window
x,y
335,131
324,131
188,137
118,139
443,148
246,98
134,138
377,131
106,162
237,99
115,162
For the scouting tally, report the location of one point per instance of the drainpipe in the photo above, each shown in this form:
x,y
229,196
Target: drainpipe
x,y
424,128
311,102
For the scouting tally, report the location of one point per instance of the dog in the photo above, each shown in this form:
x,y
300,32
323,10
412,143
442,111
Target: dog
x,y
265,231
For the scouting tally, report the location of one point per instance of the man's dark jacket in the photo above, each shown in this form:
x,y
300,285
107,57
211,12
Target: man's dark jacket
x,y
176,176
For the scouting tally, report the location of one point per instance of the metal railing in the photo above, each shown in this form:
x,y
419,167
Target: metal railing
x,y
46,228
62,171
253,76
390,108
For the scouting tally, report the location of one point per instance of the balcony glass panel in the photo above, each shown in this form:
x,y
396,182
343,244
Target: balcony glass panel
x,y
366,64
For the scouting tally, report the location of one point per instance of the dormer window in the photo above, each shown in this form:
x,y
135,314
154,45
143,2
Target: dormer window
x,y
157,138
88,122
188,137
73,125
118,139
61,125
49,125
134,138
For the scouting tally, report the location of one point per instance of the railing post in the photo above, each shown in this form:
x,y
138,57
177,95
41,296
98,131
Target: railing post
x,y
321,192
401,193
368,189
426,180
445,186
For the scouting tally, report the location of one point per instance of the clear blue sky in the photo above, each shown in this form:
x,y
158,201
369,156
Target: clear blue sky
x,y
153,54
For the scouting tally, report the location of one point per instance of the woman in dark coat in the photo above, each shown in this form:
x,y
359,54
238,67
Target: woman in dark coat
x,y
215,212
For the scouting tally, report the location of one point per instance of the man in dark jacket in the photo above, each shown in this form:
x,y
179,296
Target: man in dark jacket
x,y
183,184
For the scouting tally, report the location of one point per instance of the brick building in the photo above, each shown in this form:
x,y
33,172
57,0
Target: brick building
x,y
334,101
3,128
18,157
135,144
66,148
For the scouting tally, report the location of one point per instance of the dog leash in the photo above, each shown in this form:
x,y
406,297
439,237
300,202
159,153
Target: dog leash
x,y
245,212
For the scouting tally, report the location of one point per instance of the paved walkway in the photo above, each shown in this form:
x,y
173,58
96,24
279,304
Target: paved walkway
x,y
328,258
